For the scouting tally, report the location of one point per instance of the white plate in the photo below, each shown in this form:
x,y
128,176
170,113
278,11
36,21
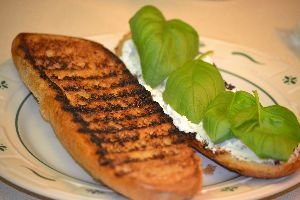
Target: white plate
x,y
31,156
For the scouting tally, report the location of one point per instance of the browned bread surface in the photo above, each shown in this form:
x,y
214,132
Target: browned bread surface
x,y
226,159
105,119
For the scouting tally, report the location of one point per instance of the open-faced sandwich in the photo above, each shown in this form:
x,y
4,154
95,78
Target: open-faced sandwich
x,y
229,127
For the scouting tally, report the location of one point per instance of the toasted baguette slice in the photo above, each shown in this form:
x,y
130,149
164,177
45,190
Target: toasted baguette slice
x,y
225,158
105,119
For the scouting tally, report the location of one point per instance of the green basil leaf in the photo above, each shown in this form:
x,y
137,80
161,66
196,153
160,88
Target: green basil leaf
x,y
266,145
191,88
243,111
280,120
163,45
241,100
216,119
271,132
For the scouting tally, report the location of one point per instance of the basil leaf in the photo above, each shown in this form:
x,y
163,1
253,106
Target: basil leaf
x,y
280,120
216,119
241,100
271,132
191,88
243,112
266,145
163,46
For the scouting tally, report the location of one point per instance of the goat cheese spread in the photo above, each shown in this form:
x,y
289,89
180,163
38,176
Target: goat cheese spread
x,y
131,59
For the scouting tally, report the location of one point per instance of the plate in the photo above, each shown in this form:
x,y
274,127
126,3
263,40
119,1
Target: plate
x,y
31,156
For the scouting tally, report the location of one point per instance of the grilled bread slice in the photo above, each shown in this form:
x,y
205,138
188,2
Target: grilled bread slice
x,y
272,169
105,119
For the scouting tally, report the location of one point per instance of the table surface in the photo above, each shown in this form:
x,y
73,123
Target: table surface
x,y
256,24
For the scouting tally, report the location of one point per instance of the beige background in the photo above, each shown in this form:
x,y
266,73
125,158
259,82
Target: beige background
x,y
258,24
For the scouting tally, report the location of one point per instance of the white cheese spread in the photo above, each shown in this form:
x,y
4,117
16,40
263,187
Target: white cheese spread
x,y
131,59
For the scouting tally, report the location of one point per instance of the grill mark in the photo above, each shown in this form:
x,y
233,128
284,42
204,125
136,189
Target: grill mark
x,y
124,136
126,117
117,126
108,83
139,145
121,84
125,82
120,138
74,88
118,103
111,96
140,156
85,72
103,65
76,76
158,156
79,78
131,113
124,98
110,107
120,113
112,129
116,95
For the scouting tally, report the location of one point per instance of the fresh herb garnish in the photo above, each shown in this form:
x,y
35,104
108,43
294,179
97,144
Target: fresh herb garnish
x,y
163,45
271,132
192,87
216,121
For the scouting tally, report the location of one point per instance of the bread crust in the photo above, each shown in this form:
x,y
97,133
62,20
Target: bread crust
x,y
249,168
84,151
227,160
